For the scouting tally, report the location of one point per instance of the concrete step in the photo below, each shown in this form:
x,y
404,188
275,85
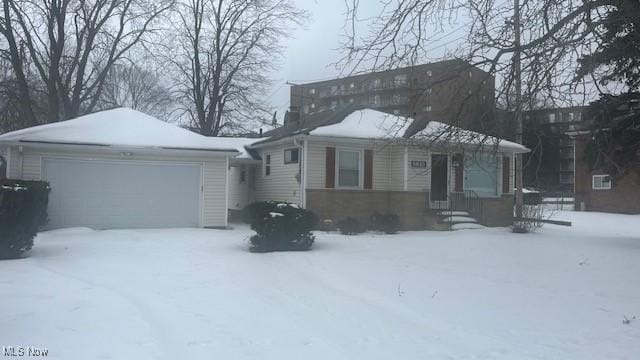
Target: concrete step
x,y
466,226
453,213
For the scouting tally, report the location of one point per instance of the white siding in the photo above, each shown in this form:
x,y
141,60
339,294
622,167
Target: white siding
x,y
282,184
419,179
240,194
214,212
382,163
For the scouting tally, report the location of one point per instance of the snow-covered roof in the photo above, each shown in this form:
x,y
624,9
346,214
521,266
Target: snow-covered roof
x,y
438,132
366,124
373,124
121,127
238,143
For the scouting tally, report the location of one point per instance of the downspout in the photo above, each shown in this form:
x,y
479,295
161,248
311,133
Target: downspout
x,y
302,170
20,161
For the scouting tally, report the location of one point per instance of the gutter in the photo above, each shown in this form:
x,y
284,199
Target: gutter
x,y
234,152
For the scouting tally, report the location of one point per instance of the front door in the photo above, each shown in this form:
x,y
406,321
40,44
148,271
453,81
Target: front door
x,y
439,180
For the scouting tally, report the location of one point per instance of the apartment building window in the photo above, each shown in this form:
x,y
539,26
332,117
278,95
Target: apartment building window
x,y
400,80
396,112
334,89
429,73
334,104
313,106
291,156
398,99
377,83
312,91
426,108
552,118
429,90
351,100
305,109
352,86
566,178
601,182
267,165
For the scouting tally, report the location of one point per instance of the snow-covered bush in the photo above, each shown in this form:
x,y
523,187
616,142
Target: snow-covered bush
x,y
280,226
388,223
350,226
23,209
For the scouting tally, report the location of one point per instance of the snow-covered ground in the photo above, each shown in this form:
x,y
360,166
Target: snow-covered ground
x,y
198,294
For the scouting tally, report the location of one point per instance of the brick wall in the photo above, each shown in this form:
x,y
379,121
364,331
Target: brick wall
x,y
339,204
623,197
409,206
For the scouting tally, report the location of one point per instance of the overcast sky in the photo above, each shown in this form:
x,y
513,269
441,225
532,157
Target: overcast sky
x,y
311,51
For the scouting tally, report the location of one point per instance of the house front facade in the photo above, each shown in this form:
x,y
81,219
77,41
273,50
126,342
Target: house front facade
x,y
364,164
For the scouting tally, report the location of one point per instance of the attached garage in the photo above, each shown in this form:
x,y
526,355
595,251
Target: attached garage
x,y
104,174
123,194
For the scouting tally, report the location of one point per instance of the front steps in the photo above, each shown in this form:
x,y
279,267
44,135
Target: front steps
x,y
458,220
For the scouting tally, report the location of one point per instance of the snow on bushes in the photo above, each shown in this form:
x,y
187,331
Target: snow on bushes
x,y
280,226
23,209
351,226
387,223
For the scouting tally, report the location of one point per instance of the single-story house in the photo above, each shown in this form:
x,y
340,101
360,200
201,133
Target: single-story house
x,y
353,163
120,168
596,190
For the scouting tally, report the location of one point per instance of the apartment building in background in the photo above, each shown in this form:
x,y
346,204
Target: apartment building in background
x,y
550,166
450,91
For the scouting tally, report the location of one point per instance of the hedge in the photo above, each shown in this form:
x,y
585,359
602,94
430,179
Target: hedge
x,y
23,210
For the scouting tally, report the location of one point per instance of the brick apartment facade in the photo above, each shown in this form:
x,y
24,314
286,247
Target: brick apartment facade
x,y
622,196
450,91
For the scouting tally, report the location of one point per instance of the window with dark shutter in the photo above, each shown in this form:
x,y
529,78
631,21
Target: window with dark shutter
x,y
368,169
330,168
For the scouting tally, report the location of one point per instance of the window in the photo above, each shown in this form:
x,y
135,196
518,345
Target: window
x,y
348,168
426,108
400,80
334,104
481,174
429,90
291,156
305,109
334,89
377,83
601,182
552,118
312,91
313,106
429,73
352,86
267,165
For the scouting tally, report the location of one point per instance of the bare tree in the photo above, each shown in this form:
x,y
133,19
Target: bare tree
x,y
137,88
224,49
67,47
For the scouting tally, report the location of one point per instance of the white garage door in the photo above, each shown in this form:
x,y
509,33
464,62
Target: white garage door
x,y
126,194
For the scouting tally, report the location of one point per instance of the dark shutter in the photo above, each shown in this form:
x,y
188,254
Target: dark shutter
x,y
506,174
368,169
458,163
330,168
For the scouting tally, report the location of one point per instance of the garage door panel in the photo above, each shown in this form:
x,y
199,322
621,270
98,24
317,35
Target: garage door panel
x,y
131,194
